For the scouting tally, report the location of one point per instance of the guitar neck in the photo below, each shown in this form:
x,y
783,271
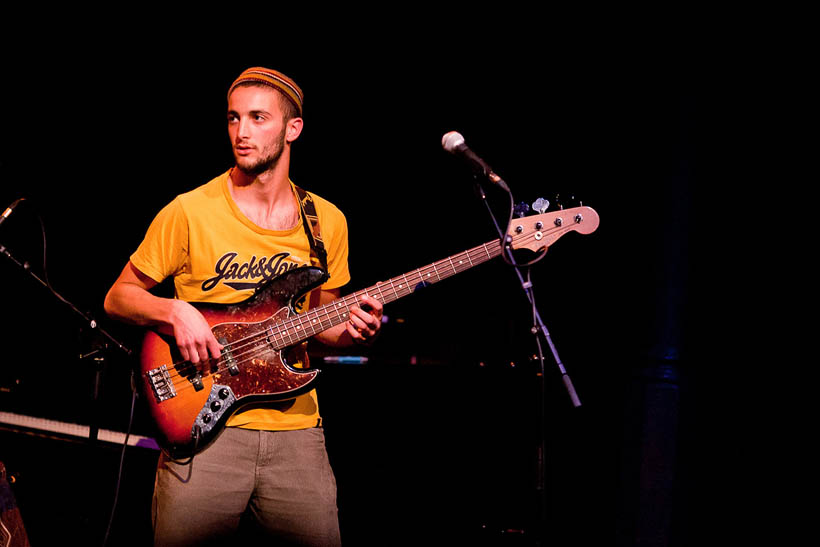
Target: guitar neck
x,y
534,233
302,326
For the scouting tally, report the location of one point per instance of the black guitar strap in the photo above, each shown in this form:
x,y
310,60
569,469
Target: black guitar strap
x,y
310,220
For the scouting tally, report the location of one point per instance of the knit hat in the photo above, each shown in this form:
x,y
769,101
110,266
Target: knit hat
x,y
274,79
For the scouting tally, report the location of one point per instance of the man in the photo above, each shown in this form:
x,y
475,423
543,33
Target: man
x,y
269,465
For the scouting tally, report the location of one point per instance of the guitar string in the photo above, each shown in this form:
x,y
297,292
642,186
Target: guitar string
x,y
286,331
258,343
257,348
328,321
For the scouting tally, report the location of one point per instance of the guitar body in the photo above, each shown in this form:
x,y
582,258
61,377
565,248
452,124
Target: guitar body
x,y
191,403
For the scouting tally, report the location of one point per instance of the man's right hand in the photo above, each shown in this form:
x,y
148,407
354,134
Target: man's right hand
x,y
193,335
129,300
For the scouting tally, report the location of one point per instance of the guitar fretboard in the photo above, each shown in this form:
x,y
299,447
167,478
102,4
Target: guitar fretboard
x,y
300,327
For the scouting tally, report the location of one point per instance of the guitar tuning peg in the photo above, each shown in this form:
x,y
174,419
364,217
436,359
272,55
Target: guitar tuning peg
x,y
540,205
521,209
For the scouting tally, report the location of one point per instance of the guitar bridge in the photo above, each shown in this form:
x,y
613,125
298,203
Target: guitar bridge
x,y
161,384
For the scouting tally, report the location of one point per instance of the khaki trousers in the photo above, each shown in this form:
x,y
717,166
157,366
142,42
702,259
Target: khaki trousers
x,y
249,485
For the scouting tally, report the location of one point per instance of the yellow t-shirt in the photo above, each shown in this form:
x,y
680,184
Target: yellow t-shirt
x,y
215,254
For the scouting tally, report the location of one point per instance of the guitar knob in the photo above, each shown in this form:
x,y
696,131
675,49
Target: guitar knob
x,y
215,406
206,419
223,393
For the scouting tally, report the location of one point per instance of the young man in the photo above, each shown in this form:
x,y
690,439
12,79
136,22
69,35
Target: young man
x,y
218,242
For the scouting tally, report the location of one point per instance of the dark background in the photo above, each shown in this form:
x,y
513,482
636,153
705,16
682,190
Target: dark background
x,y
443,448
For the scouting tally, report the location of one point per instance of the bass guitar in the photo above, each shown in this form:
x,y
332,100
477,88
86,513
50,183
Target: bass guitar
x,y
263,338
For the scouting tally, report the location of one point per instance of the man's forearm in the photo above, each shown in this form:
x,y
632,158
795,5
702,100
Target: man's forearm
x,y
336,337
135,305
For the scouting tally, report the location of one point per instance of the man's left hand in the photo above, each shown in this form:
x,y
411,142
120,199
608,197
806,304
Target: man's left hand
x,y
365,320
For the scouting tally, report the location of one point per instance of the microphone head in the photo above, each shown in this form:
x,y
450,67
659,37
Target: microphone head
x,y
452,141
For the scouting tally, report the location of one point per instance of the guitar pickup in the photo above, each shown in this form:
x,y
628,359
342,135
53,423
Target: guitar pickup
x,y
196,380
161,383
227,356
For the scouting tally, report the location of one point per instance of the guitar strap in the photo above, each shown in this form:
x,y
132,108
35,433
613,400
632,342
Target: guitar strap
x,y
310,220
318,254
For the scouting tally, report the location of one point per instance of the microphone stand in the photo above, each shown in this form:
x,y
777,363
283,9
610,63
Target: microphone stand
x,y
538,327
98,353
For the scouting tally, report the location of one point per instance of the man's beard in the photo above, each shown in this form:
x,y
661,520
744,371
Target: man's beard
x,y
266,162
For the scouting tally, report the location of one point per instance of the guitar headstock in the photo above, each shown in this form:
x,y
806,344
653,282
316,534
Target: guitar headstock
x,y
537,232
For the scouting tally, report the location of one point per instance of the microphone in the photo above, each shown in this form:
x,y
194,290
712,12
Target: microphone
x,y
9,209
453,142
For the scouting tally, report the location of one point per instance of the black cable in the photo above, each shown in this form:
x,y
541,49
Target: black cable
x,y
122,461
133,387
45,262
93,324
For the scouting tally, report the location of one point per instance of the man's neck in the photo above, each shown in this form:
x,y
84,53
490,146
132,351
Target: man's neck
x,y
266,199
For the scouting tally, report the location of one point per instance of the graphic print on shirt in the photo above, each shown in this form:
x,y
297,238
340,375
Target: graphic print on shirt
x,y
249,274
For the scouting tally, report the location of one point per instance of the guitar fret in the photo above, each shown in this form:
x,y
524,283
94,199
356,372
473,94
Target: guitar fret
x,y
278,335
395,292
288,334
461,263
381,292
281,336
327,316
314,322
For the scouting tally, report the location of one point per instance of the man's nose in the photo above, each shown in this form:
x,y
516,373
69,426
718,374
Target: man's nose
x,y
242,128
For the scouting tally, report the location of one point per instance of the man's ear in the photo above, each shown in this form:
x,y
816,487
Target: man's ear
x,y
293,130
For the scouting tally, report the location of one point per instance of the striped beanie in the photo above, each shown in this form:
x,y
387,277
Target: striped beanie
x,y
274,79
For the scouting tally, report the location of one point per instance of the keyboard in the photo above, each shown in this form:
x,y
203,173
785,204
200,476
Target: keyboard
x,y
73,430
